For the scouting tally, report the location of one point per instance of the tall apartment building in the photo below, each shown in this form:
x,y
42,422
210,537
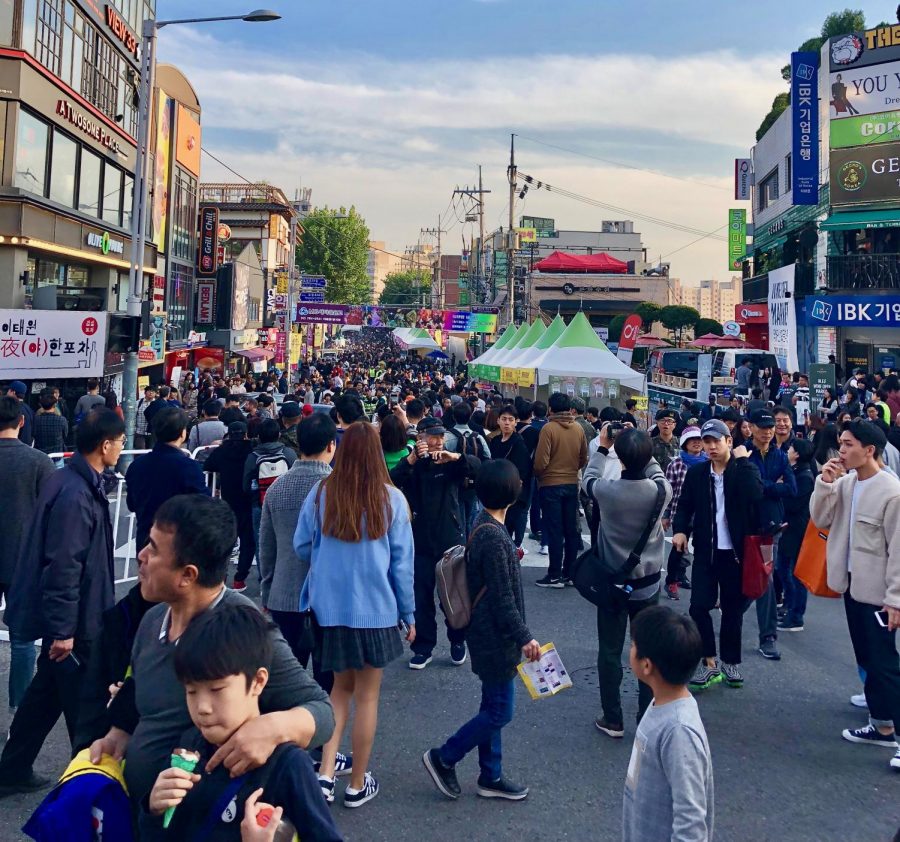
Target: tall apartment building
x,y
712,299
380,265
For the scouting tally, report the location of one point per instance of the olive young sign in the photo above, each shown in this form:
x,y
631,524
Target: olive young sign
x,y
865,174
866,90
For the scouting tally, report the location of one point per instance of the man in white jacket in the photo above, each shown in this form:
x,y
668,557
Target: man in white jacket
x,y
859,503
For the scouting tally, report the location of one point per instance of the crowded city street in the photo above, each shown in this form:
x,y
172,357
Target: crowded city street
x,y
359,483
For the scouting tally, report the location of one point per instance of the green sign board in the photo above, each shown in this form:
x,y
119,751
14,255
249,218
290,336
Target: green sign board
x,y
544,227
821,377
737,237
863,130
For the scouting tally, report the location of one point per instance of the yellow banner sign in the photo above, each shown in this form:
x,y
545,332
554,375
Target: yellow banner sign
x,y
643,402
508,375
527,235
526,377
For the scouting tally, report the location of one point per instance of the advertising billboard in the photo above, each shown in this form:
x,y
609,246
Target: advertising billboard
x,y
864,90
331,314
743,179
865,130
459,321
805,128
853,311
737,237
51,343
783,318
865,174
161,169
207,247
862,49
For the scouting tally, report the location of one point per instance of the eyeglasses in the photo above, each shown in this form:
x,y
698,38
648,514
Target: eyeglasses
x,y
120,441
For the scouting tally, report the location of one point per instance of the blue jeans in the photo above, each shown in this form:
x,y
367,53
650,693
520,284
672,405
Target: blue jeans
x,y
559,511
795,592
535,513
483,730
22,656
469,507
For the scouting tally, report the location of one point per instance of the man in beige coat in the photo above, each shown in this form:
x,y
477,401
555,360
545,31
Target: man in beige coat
x,y
859,503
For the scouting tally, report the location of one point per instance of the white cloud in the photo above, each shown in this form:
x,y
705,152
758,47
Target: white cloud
x,y
396,137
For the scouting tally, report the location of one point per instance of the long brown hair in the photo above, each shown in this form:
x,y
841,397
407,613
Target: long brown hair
x,y
357,486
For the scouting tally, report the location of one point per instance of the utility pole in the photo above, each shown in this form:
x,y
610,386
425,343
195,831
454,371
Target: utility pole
x,y
511,237
476,196
437,295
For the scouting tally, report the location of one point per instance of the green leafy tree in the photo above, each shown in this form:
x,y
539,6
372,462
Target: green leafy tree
x,y
779,104
840,23
336,244
406,289
704,326
616,323
649,313
677,317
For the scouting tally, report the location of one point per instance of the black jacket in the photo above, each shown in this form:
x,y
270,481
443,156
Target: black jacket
x,y
497,631
696,506
156,476
796,512
515,450
432,490
151,409
109,661
228,460
64,579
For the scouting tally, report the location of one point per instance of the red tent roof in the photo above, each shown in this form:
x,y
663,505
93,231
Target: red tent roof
x,y
563,261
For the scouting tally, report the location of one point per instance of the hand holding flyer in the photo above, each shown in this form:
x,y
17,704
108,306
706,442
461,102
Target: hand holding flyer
x,y
546,676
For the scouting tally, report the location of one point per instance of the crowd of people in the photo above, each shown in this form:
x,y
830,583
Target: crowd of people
x,y
351,488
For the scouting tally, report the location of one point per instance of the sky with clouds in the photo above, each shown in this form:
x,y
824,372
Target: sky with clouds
x,y
391,104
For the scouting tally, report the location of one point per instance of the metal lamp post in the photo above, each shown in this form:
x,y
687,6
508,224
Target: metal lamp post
x,y
149,31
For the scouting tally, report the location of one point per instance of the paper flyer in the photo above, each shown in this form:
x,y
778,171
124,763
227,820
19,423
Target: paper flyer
x,y
547,676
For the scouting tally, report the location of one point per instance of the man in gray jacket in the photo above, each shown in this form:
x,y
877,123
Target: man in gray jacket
x,y
625,507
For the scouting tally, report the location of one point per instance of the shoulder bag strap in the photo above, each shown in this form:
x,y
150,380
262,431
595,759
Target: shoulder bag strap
x,y
480,595
635,558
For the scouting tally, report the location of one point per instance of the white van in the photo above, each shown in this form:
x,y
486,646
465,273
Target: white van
x,y
726,364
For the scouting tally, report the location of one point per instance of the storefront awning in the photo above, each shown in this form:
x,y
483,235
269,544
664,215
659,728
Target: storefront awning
x,y
850,220
256,355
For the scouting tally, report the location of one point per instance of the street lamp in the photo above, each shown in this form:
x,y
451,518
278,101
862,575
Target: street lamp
x,y
149,31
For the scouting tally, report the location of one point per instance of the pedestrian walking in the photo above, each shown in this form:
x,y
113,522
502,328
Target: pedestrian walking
x,y
62,586
474,446
354,532
626,507
560,455
497,637
665,444
90,400
17,390
141,440
718,507
209,430
510,445
166,471
858,502
51,430
431,478
24,471
228,461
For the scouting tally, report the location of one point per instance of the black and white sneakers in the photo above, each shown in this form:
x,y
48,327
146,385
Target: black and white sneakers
x,y
870,735
501,789
358,797
444,776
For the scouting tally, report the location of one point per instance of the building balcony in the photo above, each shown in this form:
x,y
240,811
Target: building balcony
x,y
863,271
756,289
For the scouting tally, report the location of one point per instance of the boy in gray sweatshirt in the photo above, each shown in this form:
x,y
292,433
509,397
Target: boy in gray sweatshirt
x,y
669,785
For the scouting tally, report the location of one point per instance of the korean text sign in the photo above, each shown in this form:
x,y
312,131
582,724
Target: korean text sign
x,y
805,128
737,237
853,310
51,343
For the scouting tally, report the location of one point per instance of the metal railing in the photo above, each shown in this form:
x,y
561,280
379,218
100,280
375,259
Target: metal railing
x,y
863,271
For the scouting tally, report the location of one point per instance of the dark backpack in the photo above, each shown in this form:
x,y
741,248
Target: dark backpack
x,y
453,584
469,445
269,467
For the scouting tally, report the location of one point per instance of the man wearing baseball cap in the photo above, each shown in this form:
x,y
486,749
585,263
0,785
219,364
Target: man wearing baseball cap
x,y
778,483
290,415
717,506
665,445
17,389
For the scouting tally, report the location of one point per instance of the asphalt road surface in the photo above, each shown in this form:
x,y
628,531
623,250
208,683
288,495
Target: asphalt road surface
x,y
782,771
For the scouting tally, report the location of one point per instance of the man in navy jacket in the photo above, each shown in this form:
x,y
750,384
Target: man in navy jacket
x,y
162,473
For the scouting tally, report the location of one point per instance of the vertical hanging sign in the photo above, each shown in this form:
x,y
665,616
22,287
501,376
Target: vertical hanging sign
x,y
805,128
737,237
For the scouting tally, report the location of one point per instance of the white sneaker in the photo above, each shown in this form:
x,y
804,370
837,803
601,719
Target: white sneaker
x,y
859,701
544,551
895,761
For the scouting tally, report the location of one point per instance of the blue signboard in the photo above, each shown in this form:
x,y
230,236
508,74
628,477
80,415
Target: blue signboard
x,y
312,297
853,310
805,128
312,282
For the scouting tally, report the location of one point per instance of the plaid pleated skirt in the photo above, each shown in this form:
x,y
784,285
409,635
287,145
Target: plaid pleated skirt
x,y
344,648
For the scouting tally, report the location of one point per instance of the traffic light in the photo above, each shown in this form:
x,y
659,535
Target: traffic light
x,y
124,334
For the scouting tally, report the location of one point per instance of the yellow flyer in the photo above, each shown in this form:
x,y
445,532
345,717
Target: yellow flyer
x,y
546,676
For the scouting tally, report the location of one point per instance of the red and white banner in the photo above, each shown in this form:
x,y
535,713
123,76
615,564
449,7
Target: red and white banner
x,y
630,332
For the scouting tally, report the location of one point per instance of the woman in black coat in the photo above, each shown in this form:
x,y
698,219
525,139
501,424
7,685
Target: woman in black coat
x,y
796,512
511,446
497,637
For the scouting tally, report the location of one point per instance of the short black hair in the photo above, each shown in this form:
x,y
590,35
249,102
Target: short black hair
x,y
315,433
592,410
559,402
169,423
610,413
630,404
461,413
269,431
224,641
93,383
416,408
164,392
204,530
508,409
782,410
867,434
634,449
525,407
230,414
539,409
350,408
98,426
669,640
212,408
9,413
498,484
47,399
804,449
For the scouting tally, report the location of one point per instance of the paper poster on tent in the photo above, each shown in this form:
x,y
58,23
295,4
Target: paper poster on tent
x,y
569,386
598,387
642,402
584,387
555,385
508,375
526,377
613,386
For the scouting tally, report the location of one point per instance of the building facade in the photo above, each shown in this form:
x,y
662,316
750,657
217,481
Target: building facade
x,y
381,264
712,299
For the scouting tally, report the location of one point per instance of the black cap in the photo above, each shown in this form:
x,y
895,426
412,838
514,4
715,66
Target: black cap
x,y
666,413
762,418
237,429
731,414
291,409
431,426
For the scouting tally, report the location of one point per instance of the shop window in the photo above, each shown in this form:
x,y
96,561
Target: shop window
x,y
89,183
112,195
127,201
63,166
767,191
123,287
179,301
184,215
787,173
78,276
31,154
48,31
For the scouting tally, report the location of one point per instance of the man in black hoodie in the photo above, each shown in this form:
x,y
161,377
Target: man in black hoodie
x,y
431,479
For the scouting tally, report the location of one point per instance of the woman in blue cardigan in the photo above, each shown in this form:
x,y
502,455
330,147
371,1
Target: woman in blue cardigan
x,y
355,531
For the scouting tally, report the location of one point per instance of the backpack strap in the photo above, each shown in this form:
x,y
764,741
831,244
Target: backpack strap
x,y
479,596
634,559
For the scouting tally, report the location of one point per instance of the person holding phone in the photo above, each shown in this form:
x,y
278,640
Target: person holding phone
x,y
859,503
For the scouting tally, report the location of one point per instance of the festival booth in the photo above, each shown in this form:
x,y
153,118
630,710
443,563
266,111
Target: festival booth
x,y
414,339
485,358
